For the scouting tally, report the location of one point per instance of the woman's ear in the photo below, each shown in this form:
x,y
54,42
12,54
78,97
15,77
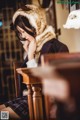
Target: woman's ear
x,y
12,26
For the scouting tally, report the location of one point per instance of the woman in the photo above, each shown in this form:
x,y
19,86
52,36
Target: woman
x,y
29,23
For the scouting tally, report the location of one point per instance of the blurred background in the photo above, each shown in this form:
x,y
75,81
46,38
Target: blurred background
x,y
11,49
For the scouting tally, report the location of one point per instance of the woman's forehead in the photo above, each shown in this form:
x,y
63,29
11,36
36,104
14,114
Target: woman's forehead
x,y
21,29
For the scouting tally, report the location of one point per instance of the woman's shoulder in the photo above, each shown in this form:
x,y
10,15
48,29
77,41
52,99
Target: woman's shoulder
x,y
54,42
50,42
57,45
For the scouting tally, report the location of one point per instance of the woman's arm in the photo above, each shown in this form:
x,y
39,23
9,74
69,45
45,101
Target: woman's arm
x,y
30,49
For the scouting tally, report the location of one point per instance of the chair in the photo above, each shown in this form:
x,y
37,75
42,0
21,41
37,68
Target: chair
x,y
59,58
17,78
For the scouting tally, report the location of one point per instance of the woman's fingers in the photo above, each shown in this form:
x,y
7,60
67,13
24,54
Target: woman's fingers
x,y
31,49
26,45
32,46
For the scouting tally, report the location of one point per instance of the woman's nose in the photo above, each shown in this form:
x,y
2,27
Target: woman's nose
x,y
23,35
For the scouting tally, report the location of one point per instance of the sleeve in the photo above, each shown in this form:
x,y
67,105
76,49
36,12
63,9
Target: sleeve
x,y
31,63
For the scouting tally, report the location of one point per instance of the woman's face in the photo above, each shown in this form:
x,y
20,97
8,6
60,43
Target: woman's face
x,y
24,34
28,38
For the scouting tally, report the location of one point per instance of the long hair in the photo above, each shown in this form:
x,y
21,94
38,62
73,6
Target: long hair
x,y
23,23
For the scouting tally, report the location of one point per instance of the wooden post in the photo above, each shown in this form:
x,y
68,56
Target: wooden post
x,y
30,102
37,102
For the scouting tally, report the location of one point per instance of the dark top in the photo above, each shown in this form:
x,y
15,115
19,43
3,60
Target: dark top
x,y
52,46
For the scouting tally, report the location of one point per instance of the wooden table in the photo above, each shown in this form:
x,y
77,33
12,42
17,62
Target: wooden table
x,y
34,93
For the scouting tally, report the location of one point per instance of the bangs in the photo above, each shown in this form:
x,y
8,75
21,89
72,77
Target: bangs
x,y
23,22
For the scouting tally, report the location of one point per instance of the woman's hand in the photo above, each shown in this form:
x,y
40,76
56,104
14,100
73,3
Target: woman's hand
x,y
25,46
31,49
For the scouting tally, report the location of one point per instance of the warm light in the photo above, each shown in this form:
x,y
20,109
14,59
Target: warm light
x,y
73,20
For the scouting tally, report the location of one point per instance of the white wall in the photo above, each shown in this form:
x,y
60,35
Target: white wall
x,y
70,37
